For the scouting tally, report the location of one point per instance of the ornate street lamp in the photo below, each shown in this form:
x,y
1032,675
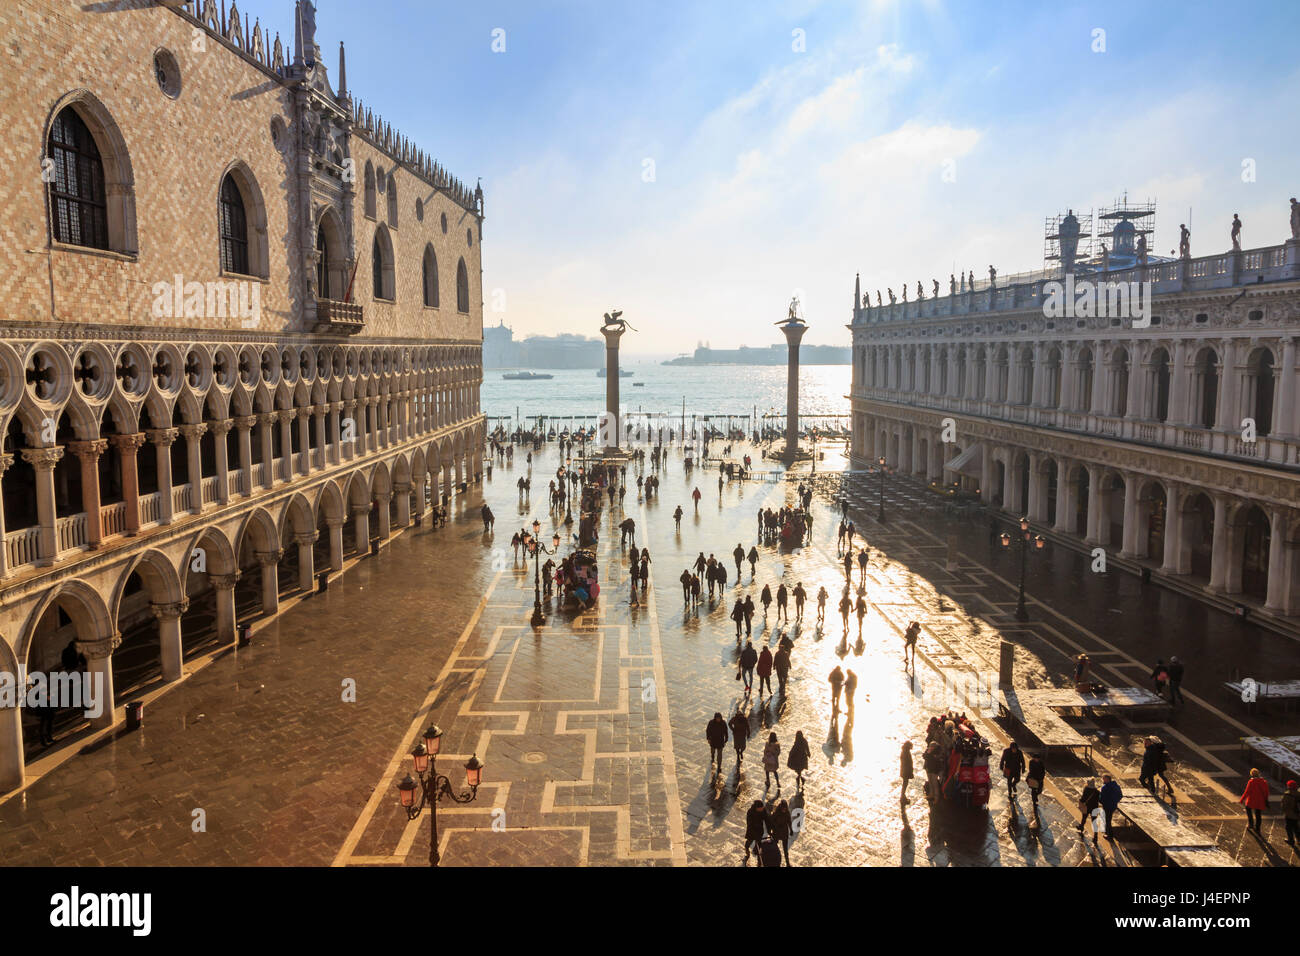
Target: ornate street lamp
x,y
880,515
1026,540
433,786
535,547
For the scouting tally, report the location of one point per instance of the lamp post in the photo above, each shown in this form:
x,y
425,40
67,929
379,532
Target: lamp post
x,y
1025,540
535,547
434,786
880,515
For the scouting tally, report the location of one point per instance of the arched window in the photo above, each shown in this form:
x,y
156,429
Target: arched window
x,y
322,263
370,190
462,287
430,278
233,228
78,211
392,201
381,255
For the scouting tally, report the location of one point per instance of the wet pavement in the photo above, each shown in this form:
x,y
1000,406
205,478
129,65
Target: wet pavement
x,y
592,727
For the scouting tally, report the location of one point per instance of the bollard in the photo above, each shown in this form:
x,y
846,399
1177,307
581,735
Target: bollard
x,y
134,715
323,581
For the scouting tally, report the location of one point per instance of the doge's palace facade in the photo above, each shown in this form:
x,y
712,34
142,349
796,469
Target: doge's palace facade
x,y
1172,442
242,334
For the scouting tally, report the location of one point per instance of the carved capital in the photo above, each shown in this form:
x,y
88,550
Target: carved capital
x,y
162,436
360,510
128,443
194,432
336,522
89,450
102,649
221,426
43,459
224,582
268,558
305,537
6,460
170,611
402,487
245,422
336,406
287,415
267,418
384,496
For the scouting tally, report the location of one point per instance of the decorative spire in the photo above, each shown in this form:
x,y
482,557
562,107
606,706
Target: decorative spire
x,y
297,34
343,73
857,291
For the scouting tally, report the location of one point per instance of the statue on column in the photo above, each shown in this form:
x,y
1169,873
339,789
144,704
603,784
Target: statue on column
x,y
794,307
1184,241
892,300
1295,219
1236,233
920,292
936,287
1142,250
972,280
963,282
952,283
904,293
993,277
879,304
1105,258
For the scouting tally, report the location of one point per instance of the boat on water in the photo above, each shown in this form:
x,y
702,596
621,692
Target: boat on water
x,y
622,373
525,376
638,384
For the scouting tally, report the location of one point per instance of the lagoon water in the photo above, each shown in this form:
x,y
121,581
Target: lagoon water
x,y
706,389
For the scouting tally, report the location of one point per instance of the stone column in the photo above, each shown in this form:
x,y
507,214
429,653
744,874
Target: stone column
x,y
382,499
336,447
1129,546
322,448
1135,406
193,436
1276,595
270,560
1226,415
245,425
1036,496
127,447
361,523
1094,504
6,460
1172,562
1284,422
12,771
988,468
403,505
43,461
169,636
99,661
306,570
614,428
220,429
1179,386
793,329
162,439
348,442
88,453
266,421
336,542
1066,505
286,416
1219,556
304,440
223,586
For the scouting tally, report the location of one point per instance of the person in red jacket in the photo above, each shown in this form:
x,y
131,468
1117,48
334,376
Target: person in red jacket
x,y
764,672
1255,798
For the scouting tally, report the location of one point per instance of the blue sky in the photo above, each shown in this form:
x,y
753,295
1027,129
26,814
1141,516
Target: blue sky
x,y
778,170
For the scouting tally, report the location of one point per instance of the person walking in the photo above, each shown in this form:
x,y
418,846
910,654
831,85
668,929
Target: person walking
x,y
839,538
863,558
782,602
686,586
797,758
1036,776
780,825
755,828
739,725
696,587
677,518
932,761
849,535
1291,811
1175,671
739,555
488,518
753,562
715,732
1255,800
909,643
772,762
781,664
1160,763
850,688
905,771
800,595
765,598
700,564
861,609
695,496
836,679
764,672
738,615
749,614
748,661
848,566
645,568
1012,766
1111,795
1089,801
1160,676
821,605
845,607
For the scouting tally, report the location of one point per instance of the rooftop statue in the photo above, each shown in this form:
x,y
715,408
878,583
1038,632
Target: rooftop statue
x,y
1105,258
892,300
794,308
1236,233
920,292
972,280
904,291
952,283
936,288
1184,241
1295,219
878,302
993,276
1142,250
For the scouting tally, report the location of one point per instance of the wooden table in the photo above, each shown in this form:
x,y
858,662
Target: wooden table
x,y
1161,825
1280,752
1287,691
